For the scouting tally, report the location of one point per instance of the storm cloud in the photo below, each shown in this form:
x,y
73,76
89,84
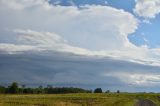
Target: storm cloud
x,y
59,69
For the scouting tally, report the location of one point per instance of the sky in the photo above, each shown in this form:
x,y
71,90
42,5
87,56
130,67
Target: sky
x,y
112,44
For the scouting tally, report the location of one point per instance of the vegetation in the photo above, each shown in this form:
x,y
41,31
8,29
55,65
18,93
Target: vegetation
x,y
98,90
2,89
14,95
118,91
15,89
108,91
77,99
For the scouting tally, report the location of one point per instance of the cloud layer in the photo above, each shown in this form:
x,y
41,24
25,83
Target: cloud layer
x,y
61,69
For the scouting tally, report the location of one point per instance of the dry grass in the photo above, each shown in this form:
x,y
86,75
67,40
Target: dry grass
x,y
123,99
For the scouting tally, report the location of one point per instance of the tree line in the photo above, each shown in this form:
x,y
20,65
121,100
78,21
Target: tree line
x,y
14,88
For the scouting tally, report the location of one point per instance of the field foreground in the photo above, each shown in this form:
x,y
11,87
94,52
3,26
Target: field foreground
x,y
85,99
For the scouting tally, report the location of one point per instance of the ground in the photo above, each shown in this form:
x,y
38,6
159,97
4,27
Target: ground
x,y
90,99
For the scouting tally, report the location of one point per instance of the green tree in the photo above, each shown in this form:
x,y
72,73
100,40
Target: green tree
x,y
98,90
2,89
13,89
23,87
118,91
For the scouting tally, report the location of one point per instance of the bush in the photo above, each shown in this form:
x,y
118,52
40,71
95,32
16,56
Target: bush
x,y
98,90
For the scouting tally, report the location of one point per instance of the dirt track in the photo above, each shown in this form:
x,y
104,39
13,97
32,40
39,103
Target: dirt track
x,y
145,102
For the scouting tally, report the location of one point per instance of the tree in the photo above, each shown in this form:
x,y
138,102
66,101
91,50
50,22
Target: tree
x,y
39,89
98,90
108,91
13,88
23,87
2,89
118,91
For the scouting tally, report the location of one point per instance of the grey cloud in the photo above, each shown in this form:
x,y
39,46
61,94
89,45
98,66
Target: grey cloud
x,y
71,70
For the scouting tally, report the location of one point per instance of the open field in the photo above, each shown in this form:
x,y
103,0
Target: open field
x,y
110,99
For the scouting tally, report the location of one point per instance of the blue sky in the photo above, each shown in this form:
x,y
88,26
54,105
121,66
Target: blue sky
x,y
82,43
150,32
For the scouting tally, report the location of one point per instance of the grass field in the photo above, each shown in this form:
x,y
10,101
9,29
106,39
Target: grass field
x,y
110,99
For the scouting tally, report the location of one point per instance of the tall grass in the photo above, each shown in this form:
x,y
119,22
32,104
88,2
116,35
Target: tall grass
x,y
84,99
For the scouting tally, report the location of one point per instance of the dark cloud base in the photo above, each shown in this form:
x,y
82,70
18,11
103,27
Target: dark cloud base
x,y
60,69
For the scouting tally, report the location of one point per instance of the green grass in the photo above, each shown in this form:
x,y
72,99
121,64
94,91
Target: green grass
x,y
111,99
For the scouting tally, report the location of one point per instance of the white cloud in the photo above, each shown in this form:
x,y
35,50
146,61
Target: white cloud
x,y
12,48
147,21
140,79
46,41
22,4
147,8
94,27
93,30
